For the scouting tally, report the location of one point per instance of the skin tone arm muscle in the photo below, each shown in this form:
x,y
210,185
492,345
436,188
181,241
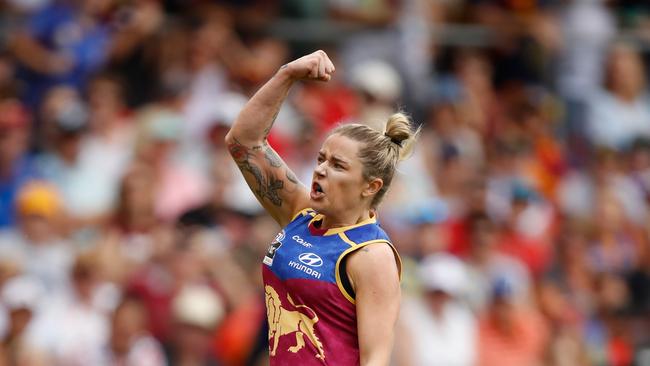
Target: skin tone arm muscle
x,y
375,278
270,179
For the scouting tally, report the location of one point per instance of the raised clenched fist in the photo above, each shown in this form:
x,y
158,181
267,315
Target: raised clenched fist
x,y
315,66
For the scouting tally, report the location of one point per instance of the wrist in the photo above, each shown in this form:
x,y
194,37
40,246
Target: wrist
x,y
284,74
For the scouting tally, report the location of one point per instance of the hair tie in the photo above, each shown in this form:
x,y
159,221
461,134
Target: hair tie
x,y
393,140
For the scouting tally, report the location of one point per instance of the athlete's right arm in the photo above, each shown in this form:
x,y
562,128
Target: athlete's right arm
x,y
270,179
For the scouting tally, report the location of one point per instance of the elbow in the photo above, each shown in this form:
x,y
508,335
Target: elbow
x,y
237,138
229,139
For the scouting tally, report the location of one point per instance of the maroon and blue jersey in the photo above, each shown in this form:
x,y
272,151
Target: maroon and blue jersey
x,y
309,300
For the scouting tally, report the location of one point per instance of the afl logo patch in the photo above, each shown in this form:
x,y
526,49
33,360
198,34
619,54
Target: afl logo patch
x,y
280,236
310,259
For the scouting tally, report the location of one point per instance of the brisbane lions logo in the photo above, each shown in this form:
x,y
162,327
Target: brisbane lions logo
x,y
283,322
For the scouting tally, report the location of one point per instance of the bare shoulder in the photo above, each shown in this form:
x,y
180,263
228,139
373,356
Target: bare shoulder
x,y
373,264
373,254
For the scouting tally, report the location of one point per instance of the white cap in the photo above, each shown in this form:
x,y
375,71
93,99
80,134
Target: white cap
x,y
227,107
198,305
443,272
378,78
22,292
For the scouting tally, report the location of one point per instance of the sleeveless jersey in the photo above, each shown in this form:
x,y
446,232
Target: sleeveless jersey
x,y
311,310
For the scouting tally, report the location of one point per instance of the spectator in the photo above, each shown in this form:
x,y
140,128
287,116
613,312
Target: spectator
x,y
21,297
196,313
130,344
620,113
178,187
36,245
75,153
486,265
440,329
62,43
73,327
16,166
510,333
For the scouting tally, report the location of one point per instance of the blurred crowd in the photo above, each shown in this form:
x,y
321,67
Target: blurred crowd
x,y
128,237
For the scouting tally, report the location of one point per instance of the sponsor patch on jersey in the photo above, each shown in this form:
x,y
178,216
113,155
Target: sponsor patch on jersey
x,y
305,269
310,259
273,248
301,241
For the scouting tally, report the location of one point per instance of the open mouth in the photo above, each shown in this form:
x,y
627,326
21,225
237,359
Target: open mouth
x,y
316,191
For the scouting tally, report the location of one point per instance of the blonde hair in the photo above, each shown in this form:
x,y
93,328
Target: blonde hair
x,y
382,150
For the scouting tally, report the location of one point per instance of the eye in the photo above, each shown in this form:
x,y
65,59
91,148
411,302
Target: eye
x,y
338,166
320,160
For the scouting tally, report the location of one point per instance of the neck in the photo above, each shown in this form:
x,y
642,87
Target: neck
x,y
346,219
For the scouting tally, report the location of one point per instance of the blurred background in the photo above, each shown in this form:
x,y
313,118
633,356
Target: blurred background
x,y
127,236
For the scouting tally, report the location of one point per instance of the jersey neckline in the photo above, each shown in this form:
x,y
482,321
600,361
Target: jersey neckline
x,y
337,230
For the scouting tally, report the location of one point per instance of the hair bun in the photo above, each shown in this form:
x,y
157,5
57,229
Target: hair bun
x,y
401,132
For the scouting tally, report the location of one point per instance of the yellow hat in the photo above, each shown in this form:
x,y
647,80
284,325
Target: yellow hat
x,y
38,198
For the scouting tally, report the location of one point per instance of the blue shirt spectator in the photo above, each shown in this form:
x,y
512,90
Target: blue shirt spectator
x,y
75,43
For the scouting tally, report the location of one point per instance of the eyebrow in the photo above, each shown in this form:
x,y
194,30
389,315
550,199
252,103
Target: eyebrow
x,y
335,158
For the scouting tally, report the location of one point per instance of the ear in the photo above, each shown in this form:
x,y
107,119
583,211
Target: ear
x,y
372,187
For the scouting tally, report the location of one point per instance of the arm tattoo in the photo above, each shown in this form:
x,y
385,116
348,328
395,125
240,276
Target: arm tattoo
x,y
268,129
266,184
272,157
292,177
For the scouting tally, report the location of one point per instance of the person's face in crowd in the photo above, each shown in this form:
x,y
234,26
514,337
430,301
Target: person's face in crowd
x,y
432,238
483,236
37,228
455,171
502,311
553,303
573,243
338,185
436,300
609,215
444,120
85,281
475,198
612,292
104,98
640,159
193,341
156,151
14,133
13,142
475,73
68,145
6,73
136,194
63,116
129,322
95,7
206,42
625,73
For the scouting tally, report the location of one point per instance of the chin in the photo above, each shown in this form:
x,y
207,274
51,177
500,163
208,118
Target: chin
x,y
318,206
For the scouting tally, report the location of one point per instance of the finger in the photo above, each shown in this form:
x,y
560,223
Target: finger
x,y
328,67
330,64
321,67
313,73
313,69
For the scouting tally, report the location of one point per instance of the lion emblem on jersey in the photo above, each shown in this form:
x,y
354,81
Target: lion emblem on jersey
x,y
283,322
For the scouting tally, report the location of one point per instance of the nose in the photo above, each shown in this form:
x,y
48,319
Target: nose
x,y
320,169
